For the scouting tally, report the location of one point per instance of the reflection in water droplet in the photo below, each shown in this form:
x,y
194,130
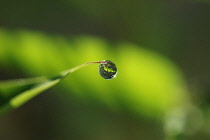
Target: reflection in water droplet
x,y
108,70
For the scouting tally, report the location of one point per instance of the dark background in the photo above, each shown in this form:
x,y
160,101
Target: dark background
x,y
177,29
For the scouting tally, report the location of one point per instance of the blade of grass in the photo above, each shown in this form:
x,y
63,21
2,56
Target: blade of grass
x,y
14,93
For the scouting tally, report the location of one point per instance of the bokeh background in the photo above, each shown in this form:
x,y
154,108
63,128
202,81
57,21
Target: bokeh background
x,y
161,49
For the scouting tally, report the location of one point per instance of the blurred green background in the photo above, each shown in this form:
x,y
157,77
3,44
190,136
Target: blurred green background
x,y
161,49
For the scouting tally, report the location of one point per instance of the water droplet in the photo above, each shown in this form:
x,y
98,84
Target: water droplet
x,y
108,69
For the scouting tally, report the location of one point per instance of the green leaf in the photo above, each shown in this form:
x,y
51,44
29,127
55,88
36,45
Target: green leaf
x,y
147,82
14,93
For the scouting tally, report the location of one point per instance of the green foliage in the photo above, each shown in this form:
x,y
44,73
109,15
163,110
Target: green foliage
x,y
147,83
15,93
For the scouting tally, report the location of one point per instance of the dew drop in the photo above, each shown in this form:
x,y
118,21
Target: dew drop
x,y
108,69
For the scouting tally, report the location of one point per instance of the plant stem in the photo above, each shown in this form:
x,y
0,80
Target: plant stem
x,y
37,85
67,72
